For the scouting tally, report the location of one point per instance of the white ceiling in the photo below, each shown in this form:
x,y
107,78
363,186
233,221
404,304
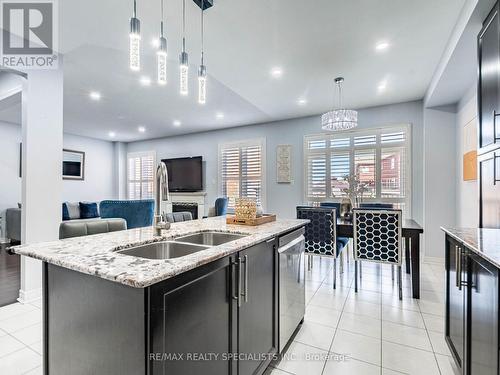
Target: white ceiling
x,y
313,41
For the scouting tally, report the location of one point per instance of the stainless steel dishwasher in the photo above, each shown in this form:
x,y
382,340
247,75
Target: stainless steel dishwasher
x,y
292,296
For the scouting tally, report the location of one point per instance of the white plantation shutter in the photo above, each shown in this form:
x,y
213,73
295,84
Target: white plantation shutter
x,y
140,175
316,176
241,171
380,156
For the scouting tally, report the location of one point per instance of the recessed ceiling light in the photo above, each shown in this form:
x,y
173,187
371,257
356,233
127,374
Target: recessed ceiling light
x,y
112,134
382,86
155,42
277,72
177,123
219,115
141,129
95,95
302,101
145,81
382,46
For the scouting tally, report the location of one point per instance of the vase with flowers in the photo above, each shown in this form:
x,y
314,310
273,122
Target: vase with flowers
x,y
355,189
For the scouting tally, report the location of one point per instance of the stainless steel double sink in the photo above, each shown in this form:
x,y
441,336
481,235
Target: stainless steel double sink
x,y
181,246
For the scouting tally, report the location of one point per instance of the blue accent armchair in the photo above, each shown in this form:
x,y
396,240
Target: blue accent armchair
x,y
137,213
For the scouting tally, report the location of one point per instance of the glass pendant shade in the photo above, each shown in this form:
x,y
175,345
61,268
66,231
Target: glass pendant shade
x,y
184,74
339,119
135,44
202,84
161,56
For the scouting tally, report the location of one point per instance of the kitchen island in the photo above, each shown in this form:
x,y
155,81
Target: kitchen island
x,y
131,302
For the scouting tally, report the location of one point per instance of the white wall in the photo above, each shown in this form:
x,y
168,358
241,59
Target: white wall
x,y
439,177
99,180
282,198
467,191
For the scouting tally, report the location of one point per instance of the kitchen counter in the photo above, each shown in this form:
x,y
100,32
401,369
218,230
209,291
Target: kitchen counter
x,y
484,242
97,254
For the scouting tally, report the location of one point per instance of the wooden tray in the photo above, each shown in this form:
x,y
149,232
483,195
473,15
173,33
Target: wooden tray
x,y
266,218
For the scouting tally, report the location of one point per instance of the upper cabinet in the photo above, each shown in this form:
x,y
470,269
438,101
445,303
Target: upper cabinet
x,y
489,83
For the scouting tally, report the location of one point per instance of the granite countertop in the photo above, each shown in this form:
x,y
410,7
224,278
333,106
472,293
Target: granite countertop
x,y
484,242
96,255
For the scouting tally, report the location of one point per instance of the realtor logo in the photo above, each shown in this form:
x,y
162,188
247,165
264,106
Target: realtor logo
x,y
29,34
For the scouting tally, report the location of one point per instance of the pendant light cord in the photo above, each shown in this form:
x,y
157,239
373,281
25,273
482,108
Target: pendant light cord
x,y
135,10
340,95
162,18
202,31
183,25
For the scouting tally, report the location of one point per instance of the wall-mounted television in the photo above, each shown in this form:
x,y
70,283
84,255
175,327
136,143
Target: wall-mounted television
x,y
185,174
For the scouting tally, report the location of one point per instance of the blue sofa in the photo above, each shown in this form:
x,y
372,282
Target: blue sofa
x,y
137,213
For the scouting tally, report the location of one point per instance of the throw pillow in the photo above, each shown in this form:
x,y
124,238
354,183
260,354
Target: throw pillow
x,y
73,210
88,210
65,212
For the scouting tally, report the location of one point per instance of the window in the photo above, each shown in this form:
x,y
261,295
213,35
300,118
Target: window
x,y
380,157
140,175
242,171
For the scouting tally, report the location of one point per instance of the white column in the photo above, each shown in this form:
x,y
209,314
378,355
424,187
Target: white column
x,y
42,124
439,178
120,170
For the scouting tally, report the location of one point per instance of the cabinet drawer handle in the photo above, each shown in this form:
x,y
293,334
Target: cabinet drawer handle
x,y
459,271
495,138
240,262
456,266
246,278
495,157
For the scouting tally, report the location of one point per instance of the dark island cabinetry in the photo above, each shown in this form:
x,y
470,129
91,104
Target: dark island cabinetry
x,y
219,318
472,310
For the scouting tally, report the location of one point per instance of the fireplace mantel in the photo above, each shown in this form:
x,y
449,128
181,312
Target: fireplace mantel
x,y
198,197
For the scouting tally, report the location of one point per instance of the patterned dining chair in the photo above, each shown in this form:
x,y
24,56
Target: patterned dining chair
x,y
378,238
321,235
344,240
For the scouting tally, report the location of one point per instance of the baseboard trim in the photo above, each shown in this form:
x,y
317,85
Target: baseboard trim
x,y
29,296
433,260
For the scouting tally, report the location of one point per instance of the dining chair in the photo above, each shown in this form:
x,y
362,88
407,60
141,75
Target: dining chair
x,y
377,206
345,240
378,238
321,235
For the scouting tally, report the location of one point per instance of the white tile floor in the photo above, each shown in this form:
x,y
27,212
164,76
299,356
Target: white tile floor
x,y
370,332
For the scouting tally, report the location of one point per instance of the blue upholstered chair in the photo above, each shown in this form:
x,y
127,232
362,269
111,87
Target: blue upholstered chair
x,y
137,213
321,234
378,238
221,206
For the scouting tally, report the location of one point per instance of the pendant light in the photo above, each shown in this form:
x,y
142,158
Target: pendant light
x,y
202,70
161,54
135,41
183,58
340,118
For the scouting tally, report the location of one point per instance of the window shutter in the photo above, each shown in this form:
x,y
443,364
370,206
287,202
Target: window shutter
x,y
140,176
381,157
340,167
241,171
364,167
316,176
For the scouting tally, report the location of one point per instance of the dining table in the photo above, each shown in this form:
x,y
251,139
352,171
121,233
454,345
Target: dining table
x,y
411,232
